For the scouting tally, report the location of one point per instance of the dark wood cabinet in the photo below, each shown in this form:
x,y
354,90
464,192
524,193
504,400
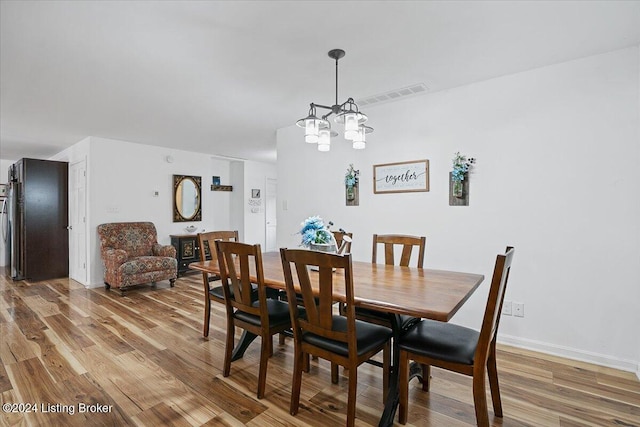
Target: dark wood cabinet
x,y
187,250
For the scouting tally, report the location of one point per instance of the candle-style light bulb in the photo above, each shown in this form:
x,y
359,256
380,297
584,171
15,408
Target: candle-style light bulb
x,y
311,131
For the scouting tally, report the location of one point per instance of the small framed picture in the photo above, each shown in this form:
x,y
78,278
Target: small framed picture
x,y
255,193
215,180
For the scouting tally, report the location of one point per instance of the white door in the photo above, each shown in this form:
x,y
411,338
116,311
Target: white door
x,y
78,222
270,215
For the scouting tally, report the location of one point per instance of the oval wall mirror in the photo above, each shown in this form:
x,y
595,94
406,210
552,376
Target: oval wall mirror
x,y
187,198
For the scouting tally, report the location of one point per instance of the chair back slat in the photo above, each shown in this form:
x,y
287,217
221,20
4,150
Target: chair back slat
x,y
325,275
389,255
406,255
306,292
408,243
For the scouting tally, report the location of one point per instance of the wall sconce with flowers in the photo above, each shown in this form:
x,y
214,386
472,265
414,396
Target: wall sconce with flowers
x,y
458,180
351,179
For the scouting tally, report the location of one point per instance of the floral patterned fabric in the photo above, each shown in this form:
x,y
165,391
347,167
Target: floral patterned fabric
x,y
132,255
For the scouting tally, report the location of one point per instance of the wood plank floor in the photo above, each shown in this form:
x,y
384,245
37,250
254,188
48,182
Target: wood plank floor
x,y
91,357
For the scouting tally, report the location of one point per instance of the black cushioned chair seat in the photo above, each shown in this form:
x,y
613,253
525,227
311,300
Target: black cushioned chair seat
x,y
368,336
440,340
405,321
278,313
218,293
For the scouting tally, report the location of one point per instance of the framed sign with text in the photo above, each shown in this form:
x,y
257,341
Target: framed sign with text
x,y
403,177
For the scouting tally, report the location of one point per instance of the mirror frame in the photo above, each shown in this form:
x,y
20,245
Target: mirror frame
x,y
177,215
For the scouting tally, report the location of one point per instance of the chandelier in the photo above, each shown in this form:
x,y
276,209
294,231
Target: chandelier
x,y
317,130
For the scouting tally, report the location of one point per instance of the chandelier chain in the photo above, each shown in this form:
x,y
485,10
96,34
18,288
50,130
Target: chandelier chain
x,y
336,82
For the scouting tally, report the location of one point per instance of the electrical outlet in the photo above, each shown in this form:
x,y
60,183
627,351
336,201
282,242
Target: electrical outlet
x,y
518,309
506,308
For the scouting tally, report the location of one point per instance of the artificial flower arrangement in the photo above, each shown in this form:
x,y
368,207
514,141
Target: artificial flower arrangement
x,y
461,166
351,177
314,231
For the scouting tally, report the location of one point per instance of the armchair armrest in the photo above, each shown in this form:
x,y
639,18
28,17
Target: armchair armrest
x,y
113,258
164,250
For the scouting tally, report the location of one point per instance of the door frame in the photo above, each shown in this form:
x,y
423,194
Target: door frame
x,y
267,206
73,273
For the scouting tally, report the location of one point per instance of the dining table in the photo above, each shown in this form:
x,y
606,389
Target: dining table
x,y
417,292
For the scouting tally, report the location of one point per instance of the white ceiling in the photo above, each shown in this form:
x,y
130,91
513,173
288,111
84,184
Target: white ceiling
x,y
220,77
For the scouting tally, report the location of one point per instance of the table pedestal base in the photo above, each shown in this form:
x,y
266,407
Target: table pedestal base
x,y
245,340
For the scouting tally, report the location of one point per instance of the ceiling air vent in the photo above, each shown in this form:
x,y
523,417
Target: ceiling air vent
x,y
393,95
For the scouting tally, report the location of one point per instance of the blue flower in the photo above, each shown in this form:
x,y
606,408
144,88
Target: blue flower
x,y
314,231
312,223
460,167
351,177
308,237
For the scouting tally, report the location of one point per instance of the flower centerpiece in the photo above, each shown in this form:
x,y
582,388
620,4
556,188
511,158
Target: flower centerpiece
x,y
461,166
316,235
351,180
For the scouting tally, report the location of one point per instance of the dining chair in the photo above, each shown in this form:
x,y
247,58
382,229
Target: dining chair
x,y
207,247
264,317
343,246
460,349
391,242
342,340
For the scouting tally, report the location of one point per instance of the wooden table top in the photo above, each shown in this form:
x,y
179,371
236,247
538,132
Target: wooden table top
x,y
432,294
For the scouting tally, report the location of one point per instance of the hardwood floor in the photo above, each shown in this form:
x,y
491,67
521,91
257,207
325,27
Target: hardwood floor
x,y
90,357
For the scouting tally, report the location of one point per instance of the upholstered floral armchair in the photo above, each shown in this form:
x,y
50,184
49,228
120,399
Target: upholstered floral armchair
x,y
131,255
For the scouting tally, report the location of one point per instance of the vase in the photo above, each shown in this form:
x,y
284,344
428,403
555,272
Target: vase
x,y
457,189
351,192
323,247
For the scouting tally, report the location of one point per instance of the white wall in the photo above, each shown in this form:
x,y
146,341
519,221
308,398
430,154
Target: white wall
x,y
557,153
237,205
123,178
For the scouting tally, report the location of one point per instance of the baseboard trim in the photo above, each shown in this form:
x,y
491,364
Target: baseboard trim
x,y
572,353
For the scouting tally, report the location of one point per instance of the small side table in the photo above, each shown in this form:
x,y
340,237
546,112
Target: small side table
x,y
187,250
